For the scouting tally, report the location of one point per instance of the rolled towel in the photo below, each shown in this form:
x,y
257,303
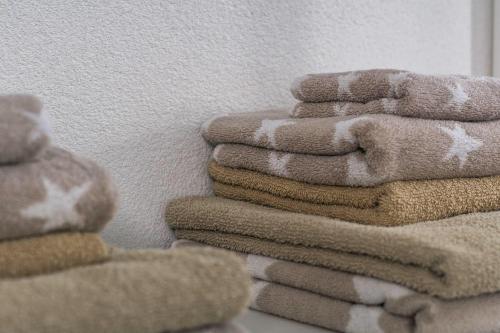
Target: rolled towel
x,y
389,204
24,132
451,97
139,292
450,258
50,253
355,151
57,191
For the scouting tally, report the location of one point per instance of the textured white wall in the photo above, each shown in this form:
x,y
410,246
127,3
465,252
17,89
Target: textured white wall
x,y
129,82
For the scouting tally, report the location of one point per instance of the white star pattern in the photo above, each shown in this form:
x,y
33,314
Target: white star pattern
x,y
344,83
395,82
458,95
357,171
389,105
59,206
42,125
268,128
462,144
278,164
343,130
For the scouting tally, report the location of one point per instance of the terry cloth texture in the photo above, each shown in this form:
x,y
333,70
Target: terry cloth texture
x,y
450,258
50,253
56,191
223,328
361,304
451,97
395,203
357,151
24,131
141,292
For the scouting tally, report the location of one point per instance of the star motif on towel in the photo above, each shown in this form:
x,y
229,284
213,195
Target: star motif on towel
x,y
458,95
395,81
278,164
58,208
42,125
462,144
268,129
344,83
343,130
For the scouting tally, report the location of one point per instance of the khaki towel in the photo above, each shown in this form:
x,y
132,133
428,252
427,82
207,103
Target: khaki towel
x,y
450,258
453,97
360,304
50,253
355,151
56,191
395,203
24,131
139,292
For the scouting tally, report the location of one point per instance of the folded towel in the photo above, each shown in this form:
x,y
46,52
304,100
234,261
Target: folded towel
x,y
452,97
360,304
359,151
395,203
56,191
24,132
49,253
224,328
141,292
450,258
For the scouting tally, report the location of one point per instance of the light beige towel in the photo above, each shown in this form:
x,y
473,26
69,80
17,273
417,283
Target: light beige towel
x,y
452,97
450,258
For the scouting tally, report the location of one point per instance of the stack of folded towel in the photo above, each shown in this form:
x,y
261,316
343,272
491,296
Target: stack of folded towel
x,y
398,174
56,273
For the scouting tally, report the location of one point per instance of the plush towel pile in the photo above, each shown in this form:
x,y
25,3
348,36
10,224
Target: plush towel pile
x,y
56,273
413,160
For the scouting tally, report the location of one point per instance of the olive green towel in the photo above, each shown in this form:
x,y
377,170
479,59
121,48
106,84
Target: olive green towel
x,y
137,292
453,97
395,203
50,253
450,258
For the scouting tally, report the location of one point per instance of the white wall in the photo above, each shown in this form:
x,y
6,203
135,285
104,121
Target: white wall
x,y
129,82
482,37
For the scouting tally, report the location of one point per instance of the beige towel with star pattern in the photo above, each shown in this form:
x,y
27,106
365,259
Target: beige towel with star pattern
x,y
362,150
389,91
55,191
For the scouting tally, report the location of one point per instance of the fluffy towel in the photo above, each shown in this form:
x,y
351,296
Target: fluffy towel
x,y
395,203
138,292
358,151
224,328
451,97
56,191
46,254
24,132
451,258
361,304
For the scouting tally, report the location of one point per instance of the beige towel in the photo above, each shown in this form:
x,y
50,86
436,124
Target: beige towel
x,y
139,292
24,131
50,253
358,151
450,258
57,191
395,203
452,97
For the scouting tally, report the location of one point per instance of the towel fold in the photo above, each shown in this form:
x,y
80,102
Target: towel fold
x,y
361,304
57,191
450,258
24,132
138,292
357,151
50,253
395,203
451,97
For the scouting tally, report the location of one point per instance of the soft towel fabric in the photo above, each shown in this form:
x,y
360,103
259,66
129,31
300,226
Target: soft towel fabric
x,y
361,304
24,131
56,191
451,97
357,151
50,253
139,292
389,204
450,258
230,327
